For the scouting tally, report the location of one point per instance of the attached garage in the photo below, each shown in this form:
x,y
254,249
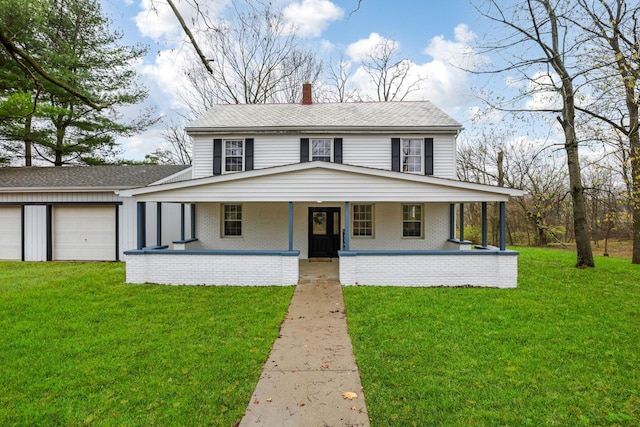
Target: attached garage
x,y
10,233
84,233
73,213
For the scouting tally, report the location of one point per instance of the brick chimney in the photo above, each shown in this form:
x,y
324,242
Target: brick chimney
x,y
306,94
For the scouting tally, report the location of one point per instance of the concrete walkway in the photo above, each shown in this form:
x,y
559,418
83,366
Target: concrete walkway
x,y
311,363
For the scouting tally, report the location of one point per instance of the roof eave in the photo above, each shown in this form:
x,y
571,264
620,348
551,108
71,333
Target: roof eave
x,y
64,189
209,130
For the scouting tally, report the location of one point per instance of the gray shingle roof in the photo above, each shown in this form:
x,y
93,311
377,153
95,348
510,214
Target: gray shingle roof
x,y
125,176
345,115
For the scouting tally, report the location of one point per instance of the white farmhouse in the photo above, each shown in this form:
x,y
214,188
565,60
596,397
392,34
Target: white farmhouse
x,y
369,185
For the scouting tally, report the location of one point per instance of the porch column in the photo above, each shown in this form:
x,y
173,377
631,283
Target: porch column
x,y
503,226
142,224
182,221
452,221
347,224
461,222
193,220
158,223
290,226
484,224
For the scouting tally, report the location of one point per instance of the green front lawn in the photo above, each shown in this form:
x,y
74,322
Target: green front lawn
x,y
562,349
80,347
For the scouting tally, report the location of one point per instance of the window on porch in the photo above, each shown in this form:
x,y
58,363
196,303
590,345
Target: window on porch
x,y
232,220
411,220
362,220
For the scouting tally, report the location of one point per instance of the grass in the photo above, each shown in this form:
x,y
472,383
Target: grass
x,y
561,349
80,347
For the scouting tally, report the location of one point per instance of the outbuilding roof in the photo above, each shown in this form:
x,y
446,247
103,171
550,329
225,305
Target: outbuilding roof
x,y
407,116
85,177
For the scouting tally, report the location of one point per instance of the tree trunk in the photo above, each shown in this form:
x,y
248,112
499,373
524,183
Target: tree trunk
x,y
580,228
28,141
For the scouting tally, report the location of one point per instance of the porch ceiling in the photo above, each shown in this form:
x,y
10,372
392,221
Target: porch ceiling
x,y
321,181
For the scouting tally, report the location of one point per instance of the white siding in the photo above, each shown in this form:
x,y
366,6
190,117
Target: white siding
x,y
10,233
35,233
106,196
269,151
326,185
368,150
202,156
128,225
444,156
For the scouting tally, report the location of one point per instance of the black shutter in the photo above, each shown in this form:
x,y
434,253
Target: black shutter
x,y
248,154
337,150
428,156
217,156
395,154
304,150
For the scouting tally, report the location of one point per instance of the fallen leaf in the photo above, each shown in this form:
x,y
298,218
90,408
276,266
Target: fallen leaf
x,y
325,366
301,404
269,399
353,408
255,402
349,395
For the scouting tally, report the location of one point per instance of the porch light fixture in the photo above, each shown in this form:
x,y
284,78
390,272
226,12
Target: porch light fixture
x,y
319,201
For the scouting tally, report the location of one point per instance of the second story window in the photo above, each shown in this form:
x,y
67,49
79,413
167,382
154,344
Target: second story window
x,y
233,155
321,149
411,155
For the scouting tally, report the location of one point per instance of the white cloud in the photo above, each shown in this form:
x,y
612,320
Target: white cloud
x,y
445,77
363,48
311,17
157,21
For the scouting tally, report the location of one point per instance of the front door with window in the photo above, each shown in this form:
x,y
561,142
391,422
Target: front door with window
x,y
324,232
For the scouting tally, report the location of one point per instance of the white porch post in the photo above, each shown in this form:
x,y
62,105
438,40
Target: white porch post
x,y
290,226
142,224
347,224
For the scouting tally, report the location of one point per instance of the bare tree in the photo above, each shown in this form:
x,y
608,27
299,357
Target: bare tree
x,y
338,88
176,149
541,40
253,57
612,28
390,73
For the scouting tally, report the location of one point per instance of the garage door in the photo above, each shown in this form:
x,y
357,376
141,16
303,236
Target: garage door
x,y
10,233
84,233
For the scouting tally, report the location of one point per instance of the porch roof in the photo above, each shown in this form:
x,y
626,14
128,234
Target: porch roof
x,y
321,181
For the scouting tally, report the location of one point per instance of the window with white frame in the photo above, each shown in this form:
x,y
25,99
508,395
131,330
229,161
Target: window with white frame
x,y
321,149
362,220
411,220
233,155
231,220
411,155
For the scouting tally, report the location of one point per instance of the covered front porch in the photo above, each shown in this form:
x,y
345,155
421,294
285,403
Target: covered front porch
x,y
379,227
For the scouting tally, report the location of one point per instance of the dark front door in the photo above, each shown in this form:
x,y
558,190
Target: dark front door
x,y
324,232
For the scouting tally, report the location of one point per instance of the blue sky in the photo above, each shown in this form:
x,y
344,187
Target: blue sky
x,y
432,34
